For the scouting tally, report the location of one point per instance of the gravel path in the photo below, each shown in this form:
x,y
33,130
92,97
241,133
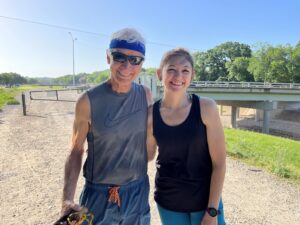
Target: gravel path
x,y
32,155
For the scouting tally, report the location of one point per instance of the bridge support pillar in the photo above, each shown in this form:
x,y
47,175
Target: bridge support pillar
x,y
266,127
233,116
258,115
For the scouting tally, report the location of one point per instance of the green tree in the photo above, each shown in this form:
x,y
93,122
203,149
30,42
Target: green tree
x,y
97,77
231,50
149,71
210,65
32,80
10,79
295,64
201,67
4,79
271,64
102,76
238,70
64,80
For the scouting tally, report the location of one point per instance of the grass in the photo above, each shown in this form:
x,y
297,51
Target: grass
x,y
277,155
7,95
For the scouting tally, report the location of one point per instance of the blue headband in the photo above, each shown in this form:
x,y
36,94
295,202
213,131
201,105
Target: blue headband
x,y
135,46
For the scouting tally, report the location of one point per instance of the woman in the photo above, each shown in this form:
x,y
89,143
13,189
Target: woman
x,y
189,137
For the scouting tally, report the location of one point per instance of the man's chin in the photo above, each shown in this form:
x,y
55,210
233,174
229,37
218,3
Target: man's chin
x,y
124,80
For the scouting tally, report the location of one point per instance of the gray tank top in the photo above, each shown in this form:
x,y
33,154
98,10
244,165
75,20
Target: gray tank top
x,y
117,151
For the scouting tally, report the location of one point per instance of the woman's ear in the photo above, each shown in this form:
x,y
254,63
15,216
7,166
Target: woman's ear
x,y
193,74
158,74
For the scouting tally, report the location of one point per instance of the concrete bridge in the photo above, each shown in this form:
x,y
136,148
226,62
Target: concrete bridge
x,y
257,95
263,96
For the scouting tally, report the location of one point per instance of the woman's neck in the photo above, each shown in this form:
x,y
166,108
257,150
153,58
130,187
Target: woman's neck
x,y
175,101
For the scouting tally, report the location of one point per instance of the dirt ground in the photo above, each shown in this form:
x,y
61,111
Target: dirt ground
x,y
33,149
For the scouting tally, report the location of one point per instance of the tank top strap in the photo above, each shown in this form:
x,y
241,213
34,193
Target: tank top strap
x,y
156,116
195,109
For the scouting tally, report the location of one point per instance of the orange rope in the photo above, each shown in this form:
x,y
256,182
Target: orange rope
x,y
114,195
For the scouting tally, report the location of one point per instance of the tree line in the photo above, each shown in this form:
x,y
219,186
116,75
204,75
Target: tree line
x,y
233,61
230,61
93,78
11,79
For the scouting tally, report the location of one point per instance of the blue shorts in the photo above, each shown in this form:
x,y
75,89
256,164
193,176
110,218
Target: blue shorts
x,y
169,217
131,206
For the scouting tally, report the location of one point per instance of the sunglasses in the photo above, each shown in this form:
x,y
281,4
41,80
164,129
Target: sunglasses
x,y
122,58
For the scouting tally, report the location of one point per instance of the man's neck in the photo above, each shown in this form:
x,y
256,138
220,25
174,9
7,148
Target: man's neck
x,y
119,88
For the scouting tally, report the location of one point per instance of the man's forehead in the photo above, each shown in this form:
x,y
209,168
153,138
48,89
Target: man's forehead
x,y
127,51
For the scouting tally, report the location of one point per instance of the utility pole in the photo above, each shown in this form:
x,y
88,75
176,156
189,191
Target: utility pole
x,y
73,40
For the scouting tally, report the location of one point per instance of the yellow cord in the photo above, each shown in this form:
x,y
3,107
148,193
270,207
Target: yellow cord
x,y
85,217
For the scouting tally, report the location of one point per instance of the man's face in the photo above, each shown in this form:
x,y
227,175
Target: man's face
x,y
123,72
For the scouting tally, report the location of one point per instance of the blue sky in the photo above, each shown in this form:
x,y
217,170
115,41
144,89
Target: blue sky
x,y
44,51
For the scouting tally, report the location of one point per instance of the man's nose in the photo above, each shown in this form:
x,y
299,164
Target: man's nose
x,y
127,65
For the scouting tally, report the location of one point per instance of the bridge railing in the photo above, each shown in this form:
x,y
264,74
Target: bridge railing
x,y
233,84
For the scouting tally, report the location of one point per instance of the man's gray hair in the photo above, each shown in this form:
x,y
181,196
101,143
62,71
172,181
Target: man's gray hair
x,y
130,35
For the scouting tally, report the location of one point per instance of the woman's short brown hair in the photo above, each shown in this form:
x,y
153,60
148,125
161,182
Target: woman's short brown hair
x,y
176,52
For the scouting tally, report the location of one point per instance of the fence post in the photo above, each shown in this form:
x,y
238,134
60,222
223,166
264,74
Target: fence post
x,y
23,104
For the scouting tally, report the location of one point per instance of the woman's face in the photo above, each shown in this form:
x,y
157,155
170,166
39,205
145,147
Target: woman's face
x,y
176,74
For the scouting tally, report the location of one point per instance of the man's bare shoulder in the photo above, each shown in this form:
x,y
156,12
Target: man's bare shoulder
x,y
83,99
83,108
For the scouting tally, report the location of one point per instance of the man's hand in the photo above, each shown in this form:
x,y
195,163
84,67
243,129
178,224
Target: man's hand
x,y
68,207
69,212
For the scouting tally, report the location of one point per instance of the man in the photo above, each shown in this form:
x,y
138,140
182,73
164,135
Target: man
x,y
112,117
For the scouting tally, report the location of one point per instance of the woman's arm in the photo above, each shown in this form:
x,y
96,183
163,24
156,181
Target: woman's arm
x,y
216,145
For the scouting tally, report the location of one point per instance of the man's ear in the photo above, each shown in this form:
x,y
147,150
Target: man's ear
x,y
108,57
158,74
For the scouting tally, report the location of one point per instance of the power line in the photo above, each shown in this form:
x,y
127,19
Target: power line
x,y
79,30
54,26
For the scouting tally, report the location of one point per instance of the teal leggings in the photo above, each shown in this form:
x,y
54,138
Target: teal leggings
x,y
169,217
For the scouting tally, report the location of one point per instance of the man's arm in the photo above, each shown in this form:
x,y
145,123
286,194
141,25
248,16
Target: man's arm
x,y
74,159
151,142
148,96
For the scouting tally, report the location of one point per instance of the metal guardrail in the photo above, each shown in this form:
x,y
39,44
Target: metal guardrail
x,y
53,94
246,85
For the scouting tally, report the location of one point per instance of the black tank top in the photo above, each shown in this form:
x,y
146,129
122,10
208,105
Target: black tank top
x,y
183,164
